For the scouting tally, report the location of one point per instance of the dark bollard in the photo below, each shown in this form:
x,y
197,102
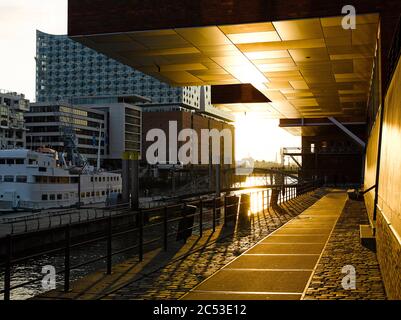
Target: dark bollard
x,y
165,228
244,213
230,209
7,271
109,243
186,224
274,198
67,256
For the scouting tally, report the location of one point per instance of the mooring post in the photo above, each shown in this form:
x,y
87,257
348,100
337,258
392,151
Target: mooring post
x,y
67,238
7,274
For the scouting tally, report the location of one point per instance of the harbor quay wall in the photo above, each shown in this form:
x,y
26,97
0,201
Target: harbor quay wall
x,y
30,243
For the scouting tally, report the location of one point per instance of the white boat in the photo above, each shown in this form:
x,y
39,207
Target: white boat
x,y
35,180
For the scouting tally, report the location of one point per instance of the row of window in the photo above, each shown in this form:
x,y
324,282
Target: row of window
x,y
99,193
66,196
56,180
104,179
18,179
11,161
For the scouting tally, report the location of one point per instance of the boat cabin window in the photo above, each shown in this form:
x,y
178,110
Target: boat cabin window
x,y
22,179
52,197
32,161
59,197
88,194
44,197
19,161
74,179
82,194
8,178
10,161
2,161
42,169
91,179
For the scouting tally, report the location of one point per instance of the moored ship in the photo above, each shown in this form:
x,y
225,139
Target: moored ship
x,y
35,180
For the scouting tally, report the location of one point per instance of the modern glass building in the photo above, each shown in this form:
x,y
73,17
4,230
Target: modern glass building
x,y
65,68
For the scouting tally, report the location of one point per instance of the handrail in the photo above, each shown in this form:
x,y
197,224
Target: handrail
x,y
206,218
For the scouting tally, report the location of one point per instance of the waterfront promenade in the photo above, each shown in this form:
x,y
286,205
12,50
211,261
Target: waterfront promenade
x,y
282,248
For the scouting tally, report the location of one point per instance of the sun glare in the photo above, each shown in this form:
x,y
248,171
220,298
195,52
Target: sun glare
x,y
261,138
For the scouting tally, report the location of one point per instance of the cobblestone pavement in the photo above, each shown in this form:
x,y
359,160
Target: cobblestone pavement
x,y
344,248
178,277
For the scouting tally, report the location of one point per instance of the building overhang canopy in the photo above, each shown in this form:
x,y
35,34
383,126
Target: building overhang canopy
x,y
305,68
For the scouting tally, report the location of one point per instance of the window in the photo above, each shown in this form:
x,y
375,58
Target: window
x,y
103,193
88,194
8,178
52,197
21,179
2,161
10,161
92,193
91,179
42,169
44,197
74,179
97,193
82,194
59,197
19,161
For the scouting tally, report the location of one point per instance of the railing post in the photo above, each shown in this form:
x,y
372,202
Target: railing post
x,y
67,239
225,207
214,214
165,228
140,235
263,201
7,273
109,247
201,218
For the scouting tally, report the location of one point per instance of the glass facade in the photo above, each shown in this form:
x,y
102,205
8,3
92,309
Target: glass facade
x,y
65,69
52,125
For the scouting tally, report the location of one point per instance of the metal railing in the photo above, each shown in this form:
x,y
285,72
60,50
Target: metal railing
x,y
151,228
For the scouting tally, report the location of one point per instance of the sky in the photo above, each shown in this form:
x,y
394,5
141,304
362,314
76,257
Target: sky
x,y
19,19
261,138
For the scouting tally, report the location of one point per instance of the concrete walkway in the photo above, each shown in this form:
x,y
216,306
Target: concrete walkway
x,y
281,265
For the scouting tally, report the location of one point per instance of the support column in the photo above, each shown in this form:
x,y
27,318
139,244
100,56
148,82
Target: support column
x,y
218,184
134,174
125,181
